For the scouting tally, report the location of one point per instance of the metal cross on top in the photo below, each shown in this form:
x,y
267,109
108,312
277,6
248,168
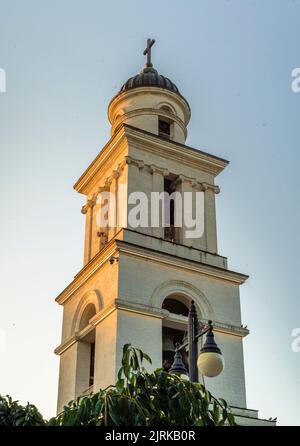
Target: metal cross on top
x,y
150,43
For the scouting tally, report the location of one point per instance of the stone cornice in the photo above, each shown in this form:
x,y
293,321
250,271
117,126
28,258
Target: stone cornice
x,y
153,144
118,246
118,304
138,308
200,251
163,170
65,345
181,263
234,330
150,142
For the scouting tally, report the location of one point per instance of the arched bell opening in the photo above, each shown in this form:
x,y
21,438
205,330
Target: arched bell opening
x,y
86,348
174,330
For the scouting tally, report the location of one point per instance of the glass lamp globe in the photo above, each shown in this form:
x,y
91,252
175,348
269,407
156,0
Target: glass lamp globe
x,y
210,362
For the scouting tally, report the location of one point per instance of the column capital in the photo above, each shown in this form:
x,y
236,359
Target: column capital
x,y
159,170
115,175
198,186
91,201
140,164
212,187
127,159
84,209
108,181
135,162
184,179
123,164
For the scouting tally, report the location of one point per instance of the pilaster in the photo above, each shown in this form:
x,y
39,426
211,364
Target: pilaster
x,y
210,216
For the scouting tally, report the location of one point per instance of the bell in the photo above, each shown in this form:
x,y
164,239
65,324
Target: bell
x,y
168,343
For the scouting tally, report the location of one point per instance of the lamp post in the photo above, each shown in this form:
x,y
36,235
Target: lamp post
x,y
210,361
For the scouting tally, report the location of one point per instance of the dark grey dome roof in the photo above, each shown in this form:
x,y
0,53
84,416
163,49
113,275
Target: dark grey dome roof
x,y
149,77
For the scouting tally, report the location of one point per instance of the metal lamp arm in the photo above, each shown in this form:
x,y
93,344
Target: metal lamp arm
x,y
199,335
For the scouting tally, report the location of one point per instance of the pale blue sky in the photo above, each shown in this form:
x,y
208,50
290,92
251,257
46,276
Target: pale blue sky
x,y
232,60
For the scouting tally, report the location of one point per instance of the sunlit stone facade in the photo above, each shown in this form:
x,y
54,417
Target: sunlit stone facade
x,y
128,273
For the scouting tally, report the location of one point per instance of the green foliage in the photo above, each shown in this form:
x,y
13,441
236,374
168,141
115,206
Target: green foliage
x,y
13,414
139,398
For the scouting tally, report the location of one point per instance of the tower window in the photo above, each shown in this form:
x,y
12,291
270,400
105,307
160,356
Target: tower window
x,y
170,231
175,333
164,128
86,346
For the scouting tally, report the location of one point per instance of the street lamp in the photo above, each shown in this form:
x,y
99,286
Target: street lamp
x,y
210,361
178,367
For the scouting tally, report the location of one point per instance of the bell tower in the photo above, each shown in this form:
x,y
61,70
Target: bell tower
x,y
138,280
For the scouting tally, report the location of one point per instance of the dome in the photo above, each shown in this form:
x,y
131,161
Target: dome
x,y
150,102
149,77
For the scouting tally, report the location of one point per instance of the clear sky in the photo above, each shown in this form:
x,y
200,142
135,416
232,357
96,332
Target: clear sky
x,y
232,60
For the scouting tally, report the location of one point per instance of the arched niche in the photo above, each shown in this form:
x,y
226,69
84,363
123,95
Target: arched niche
x,y
89,305
88,312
